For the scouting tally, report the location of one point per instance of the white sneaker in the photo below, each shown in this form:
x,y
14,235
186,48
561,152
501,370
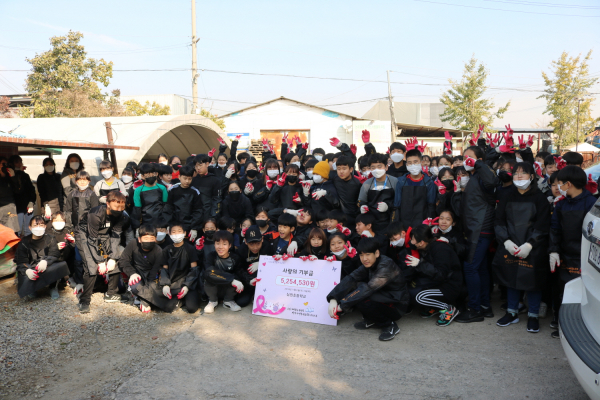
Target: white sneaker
x,y
232,305
210,307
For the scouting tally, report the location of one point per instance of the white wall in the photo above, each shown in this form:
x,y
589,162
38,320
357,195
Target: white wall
x,y
289,115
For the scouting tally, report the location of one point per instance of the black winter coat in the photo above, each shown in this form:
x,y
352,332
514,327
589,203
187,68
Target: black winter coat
x,y
237,209
209,187
282,196
27,194
78,203
50,188
186,207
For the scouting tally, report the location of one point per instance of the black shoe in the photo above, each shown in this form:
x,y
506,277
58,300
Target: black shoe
x,y
84,308
554,323
432,312
470,315
364,324
389,332
127,298
522,308
555,335
509,318
487,312
533,325
112,298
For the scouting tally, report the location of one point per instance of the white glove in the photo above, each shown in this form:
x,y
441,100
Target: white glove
x,y
137,232
193,235
110,265
382,207
230,171
412,261
319,193
524,250
292,248
31,274
78,289
248,189
29,209
443,239
554,261
253,268
133,279
301,176
47,212
144,309
541,184
292,212
306,190
184,290
364,209
239,287
61,245
102,270
333,306
550,199
366,234
42,265
312,258
511,247
167,292
102,199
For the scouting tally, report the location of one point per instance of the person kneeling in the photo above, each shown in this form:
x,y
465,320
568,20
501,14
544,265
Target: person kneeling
x,y
141,261
249,254
36,260
220,274
377,289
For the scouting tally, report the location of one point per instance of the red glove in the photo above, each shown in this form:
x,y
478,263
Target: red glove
x,y
422,147
447,148
290,142
343,231
69,238
220,139
509,130
312,258
269,184
366,136
506,149
455,186
480,130
530,140
361,178
61,245
271,149
559,198
281,179
331,258
244,232
538,168
425,169
303,258
285,256
298,141
441,187
200,243
474,139
284,138
334,142
305,145
277,257
488,138
353,149
431,221
212,152
470,162
508,139
591,186
296,198
238,137
410,143
265,144
495,140
560,163
351,251
448,136
522,144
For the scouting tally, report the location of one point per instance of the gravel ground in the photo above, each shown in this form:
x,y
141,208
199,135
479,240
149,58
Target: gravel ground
x,y
48,350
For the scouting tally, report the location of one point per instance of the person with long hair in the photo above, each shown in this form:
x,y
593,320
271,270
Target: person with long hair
x,y
316,246
73,164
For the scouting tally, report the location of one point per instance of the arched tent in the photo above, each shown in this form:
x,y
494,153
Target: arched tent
x,y
180,135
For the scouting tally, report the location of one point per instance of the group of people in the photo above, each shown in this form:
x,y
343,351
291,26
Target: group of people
x,y
412,232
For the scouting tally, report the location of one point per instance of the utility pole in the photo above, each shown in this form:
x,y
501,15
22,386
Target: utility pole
x,y
577,134
111,151
392,117
194,61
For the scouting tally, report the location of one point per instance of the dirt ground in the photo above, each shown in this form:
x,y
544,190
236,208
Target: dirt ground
x,y
117,352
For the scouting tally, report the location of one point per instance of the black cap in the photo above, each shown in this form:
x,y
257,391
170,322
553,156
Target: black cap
x,y
253,234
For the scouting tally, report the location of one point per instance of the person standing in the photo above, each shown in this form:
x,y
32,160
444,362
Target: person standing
x,y
50,189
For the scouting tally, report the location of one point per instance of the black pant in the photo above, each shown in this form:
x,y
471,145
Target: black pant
x,y
89,281
215,291
380,313
246,297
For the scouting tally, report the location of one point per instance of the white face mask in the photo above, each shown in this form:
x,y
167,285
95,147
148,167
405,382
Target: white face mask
x,y
339,253
414,169
222,166
297,163
378,173
309,174
319,157
334,230
58,225
464,180
126,178
107,174
160,236
366,174
83,187
38,231
272,173
397,243
446,230
562,192
74,165
317,178
178,238
522,183
212,165
49,168
434,170
519,159
397,157
164,162
333,166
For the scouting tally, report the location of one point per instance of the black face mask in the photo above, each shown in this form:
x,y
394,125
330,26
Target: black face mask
x,y
262,223
150,180
209,234
115,213
148,245
449,184
176,167
235,195
252,173
505,176
291,179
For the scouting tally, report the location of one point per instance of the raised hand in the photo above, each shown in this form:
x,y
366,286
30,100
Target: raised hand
x,y
353,149
366,136
335,142
447,136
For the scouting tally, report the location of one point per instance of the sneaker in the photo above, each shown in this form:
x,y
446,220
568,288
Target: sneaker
x,y
364,324
509,318
470,315
232,305
112,298
447,316
522,308
127,298
487,312
554,323
84,308
389,332
533,325
543,310
555,335
210,307
54,293
432,312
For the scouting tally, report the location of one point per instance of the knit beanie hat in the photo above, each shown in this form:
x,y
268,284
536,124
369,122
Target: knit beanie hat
x,y
322,168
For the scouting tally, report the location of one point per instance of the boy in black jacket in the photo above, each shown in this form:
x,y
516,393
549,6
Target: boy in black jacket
x,y
209,186
249,254
347,187
186,203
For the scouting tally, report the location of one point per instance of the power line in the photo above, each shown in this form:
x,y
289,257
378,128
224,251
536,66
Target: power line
x,y
535,3
501,9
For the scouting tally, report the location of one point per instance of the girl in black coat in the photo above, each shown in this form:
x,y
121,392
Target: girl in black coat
x,y
236,205
316,246
287,195
522,229
252,183
341,250
50,188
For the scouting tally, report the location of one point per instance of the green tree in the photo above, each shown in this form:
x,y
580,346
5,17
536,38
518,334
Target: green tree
x,y
219,121
567,86
465,106
134,107
65,67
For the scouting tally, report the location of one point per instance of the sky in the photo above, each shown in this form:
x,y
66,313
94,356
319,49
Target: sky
x,y
424,43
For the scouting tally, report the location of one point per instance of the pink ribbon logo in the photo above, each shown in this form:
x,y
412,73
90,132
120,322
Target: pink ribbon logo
x,y
260,303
